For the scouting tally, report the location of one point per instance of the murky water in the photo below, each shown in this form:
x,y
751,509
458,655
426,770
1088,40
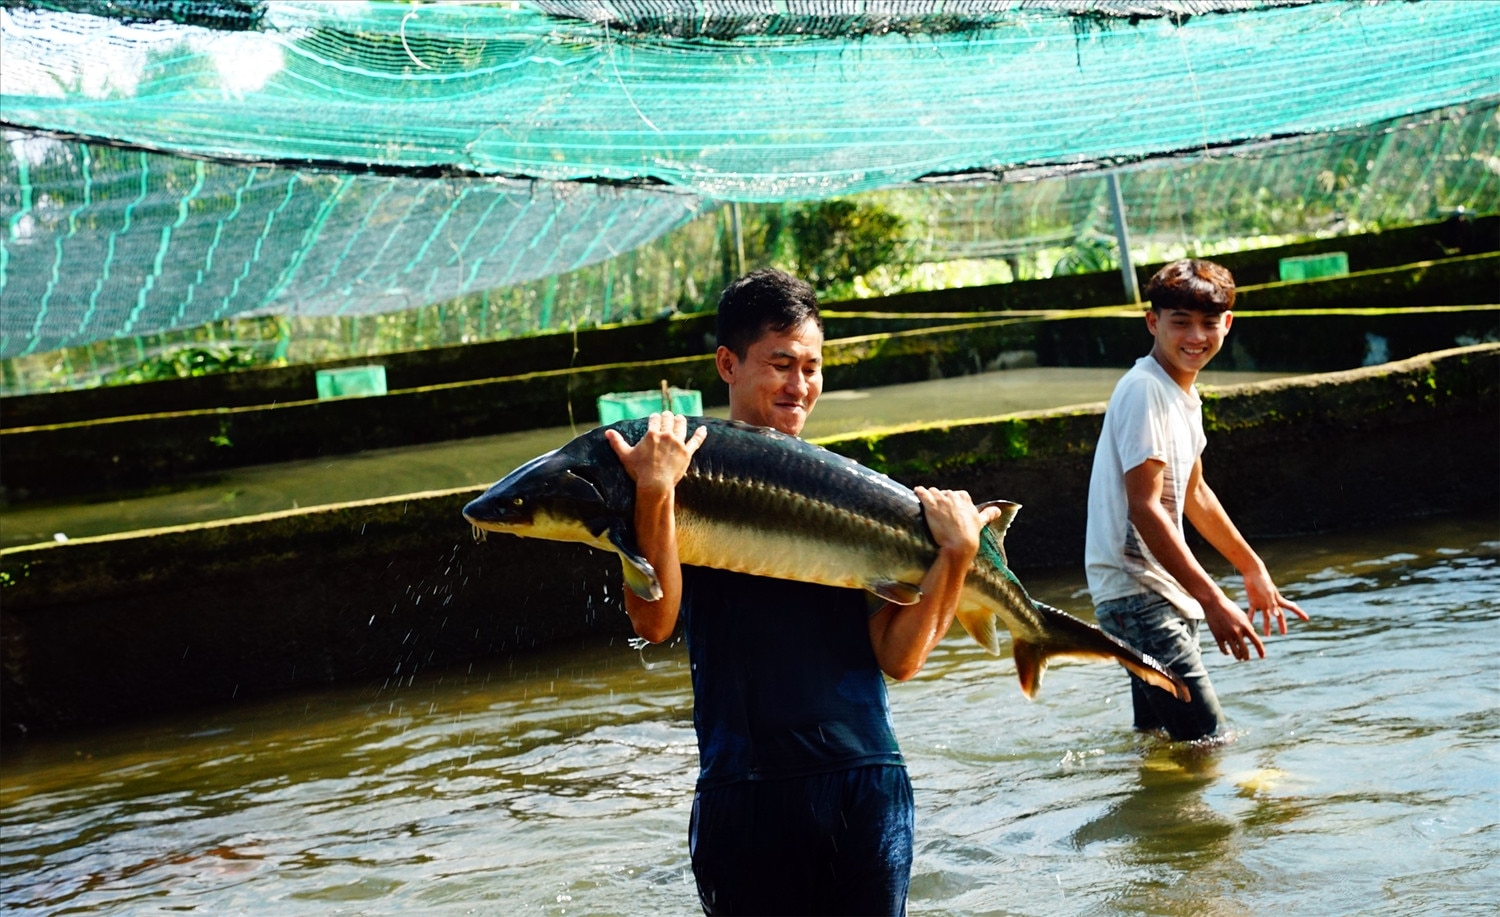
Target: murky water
x,y
1364,779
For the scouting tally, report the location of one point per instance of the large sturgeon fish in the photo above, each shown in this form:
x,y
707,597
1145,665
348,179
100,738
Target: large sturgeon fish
x,y
758,501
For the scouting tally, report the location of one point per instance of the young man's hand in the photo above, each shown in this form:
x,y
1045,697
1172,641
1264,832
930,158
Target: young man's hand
x,y
1232,630
1266,599
903,636
656,463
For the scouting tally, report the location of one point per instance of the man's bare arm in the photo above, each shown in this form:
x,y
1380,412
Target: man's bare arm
x,y
1231,629
656,463
1210,519
903,636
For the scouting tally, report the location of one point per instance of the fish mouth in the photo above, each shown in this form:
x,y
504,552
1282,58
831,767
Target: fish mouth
x,y
485,524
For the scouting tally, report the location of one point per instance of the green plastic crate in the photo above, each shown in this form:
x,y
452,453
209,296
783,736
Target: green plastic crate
x,y
1311,267
625,405
347,381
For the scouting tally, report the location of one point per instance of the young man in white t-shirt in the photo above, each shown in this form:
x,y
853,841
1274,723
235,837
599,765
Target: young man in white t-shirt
x,y
1148,588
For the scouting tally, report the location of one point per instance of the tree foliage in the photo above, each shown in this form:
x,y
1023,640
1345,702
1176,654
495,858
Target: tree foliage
x,y
837,240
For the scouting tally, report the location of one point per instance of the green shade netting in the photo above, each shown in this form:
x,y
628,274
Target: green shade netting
x,y
506,89
358,158
104,242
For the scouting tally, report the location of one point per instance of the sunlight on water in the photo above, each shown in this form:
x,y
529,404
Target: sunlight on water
x,y
1363,778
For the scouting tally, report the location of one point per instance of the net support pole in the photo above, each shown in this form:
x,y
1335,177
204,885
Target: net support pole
x,y
1122,236
739,238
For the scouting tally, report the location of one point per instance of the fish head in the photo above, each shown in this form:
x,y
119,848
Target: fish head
x,y
569,494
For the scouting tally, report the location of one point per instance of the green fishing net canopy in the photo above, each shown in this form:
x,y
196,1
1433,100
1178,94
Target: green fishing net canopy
x,y
168,164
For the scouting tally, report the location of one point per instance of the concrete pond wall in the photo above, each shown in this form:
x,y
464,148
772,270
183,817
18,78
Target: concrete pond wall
x,y
1311,325
95,631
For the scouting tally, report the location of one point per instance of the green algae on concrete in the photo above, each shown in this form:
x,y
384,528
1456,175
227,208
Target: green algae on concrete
x,y
1463,280
952,448
1366,252
150,450
1293,340
146,450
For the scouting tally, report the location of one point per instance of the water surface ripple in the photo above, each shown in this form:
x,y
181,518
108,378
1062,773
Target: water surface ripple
x,y
1363,778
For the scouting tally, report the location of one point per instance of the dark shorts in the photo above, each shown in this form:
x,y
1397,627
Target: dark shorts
x,y
835,843
1151,625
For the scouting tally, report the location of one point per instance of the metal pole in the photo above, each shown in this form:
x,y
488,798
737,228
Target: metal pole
x,y
1127,267
739,238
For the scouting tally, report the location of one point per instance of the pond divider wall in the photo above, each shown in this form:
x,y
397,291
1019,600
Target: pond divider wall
x,y
98,630
153,449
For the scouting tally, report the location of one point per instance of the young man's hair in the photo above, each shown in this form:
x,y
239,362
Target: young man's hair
x,y
1193,285
763,300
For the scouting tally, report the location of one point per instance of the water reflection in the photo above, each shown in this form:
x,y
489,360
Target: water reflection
x,y
1164,816
1363,773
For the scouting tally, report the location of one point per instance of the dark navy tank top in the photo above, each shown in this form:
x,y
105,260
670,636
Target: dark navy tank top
x,y
785,682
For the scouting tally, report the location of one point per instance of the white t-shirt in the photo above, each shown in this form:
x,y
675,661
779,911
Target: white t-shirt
x,y
1149,417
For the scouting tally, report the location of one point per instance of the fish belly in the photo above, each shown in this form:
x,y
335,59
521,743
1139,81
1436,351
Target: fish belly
x,y
806,556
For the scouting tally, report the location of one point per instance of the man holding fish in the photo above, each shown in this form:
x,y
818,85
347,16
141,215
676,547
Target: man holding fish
x,y
803,803
768,549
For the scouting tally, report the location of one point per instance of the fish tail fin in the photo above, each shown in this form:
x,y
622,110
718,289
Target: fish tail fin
x,y
1070,637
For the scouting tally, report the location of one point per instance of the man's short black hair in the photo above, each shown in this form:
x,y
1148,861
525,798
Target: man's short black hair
x,y
1193,285
763,300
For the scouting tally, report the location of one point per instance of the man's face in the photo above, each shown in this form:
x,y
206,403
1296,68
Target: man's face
x,y
778,381
1186,340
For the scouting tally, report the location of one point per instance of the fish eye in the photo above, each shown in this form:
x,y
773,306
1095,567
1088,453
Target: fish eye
x,y
518,501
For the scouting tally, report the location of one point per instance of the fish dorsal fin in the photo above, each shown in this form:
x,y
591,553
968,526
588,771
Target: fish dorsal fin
x,y
640,576
897,593
1008,510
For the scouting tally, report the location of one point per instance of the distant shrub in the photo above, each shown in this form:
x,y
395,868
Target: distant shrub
x,y
188,361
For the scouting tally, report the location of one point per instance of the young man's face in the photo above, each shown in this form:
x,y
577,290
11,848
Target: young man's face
x,y
1186,340
778,381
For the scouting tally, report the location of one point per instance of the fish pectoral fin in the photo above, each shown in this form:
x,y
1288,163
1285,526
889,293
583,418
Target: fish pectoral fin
x,y
640,576
897,593
980,623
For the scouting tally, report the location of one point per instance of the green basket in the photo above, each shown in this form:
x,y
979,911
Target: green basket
x,y
1311,267
351,381
625,405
